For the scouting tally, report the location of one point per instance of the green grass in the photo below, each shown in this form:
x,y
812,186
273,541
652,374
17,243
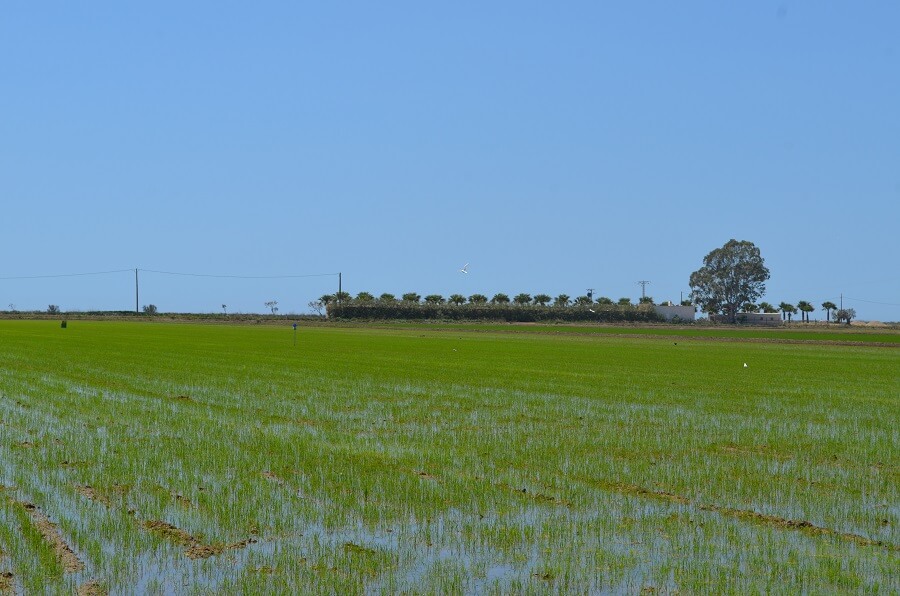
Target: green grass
x,y
813,333
432,459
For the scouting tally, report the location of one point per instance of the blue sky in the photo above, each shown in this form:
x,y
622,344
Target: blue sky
x,y
553,147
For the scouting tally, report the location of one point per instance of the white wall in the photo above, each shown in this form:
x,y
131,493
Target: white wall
x,y
685,313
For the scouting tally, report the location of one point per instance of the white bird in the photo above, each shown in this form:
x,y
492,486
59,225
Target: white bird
x,y
745,365
591,309
465,269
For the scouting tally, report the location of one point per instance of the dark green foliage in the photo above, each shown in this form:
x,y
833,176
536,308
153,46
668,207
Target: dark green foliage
x,y
730,276
417,311
522,299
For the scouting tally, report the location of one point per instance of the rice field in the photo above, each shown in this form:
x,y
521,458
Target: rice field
x,y
169,458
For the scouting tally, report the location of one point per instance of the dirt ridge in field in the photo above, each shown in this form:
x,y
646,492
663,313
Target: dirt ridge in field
x,y
744,514
196,549
92,588
52,536
89,492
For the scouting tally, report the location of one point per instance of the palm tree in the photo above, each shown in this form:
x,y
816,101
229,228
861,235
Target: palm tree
x,y
343,296
478,299
387,298
561,300
828,307
790,312
766,307
457,299
584,301
500,299
624,302
749,307
786,308
522,299
604,301
542,299
805,308
646,300
411,297
225,309
434,299
365,297
326,299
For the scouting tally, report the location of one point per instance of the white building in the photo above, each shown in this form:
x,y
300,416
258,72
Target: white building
x,y
683,313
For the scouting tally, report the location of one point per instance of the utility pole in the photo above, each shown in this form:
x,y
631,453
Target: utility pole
x,y
643,283
136,300
590,293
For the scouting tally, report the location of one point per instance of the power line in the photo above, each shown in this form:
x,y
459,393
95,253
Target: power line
x,y
872,301
65,275
59,275
238,276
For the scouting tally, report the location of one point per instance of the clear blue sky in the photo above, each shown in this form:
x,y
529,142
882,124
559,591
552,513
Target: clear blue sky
x,y
553,146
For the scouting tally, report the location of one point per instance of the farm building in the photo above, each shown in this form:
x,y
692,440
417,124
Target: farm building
x,y
680,313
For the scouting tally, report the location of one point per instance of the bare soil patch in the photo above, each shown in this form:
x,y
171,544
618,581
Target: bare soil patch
x,y
170,532
6,582
204,551
92,588
273,477
196,549
92,494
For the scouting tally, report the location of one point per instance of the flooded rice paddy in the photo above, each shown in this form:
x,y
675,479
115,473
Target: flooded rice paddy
x,y
160,459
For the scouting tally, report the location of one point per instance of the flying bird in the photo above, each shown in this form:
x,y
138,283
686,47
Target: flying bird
x,y
465,269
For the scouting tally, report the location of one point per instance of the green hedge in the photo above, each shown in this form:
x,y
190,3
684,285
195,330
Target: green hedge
x,y
410,311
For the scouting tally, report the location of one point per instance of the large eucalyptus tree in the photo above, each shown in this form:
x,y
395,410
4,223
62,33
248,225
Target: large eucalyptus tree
x,y
730,276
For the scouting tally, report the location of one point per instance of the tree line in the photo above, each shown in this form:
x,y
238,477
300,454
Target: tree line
x,y
804,307
730,282
521,307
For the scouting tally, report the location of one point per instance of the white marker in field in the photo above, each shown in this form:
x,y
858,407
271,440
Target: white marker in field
x,y
465,269
745,365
